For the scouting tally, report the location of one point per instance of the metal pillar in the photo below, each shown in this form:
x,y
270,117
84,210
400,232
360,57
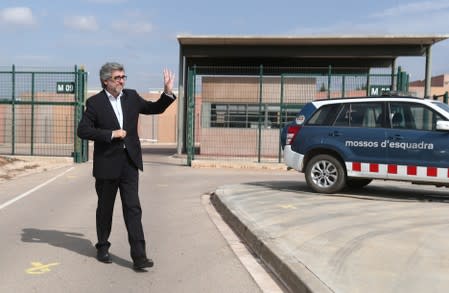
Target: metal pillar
x,y
394,83
181,103
428,77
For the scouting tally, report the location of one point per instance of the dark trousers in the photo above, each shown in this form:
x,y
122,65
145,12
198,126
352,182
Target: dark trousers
x,y
128,184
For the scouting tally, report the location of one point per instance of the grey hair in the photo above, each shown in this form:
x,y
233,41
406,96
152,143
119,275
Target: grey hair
x,y
106,71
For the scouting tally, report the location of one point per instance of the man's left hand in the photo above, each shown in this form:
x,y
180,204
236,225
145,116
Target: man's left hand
x,y
169,78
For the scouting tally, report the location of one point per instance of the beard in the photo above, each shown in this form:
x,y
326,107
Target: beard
x,y
115,90
119,88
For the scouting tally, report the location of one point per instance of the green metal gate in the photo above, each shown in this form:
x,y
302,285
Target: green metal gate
x,y
241,112
40,110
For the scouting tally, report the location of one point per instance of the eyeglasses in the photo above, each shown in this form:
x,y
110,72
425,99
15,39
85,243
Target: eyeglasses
x,y
118,77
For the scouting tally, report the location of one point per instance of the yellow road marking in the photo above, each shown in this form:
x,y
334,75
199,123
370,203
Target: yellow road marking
x,y
38,268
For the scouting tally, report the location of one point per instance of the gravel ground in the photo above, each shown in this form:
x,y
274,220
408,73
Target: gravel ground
x,y
15,166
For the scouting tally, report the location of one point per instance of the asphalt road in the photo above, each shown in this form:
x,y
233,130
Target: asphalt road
x,y
48,232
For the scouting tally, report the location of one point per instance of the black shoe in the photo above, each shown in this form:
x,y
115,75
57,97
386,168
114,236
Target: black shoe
x,y
143,263
103,255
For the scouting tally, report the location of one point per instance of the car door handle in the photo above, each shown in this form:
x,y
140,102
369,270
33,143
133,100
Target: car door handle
x,y
396,137
335,133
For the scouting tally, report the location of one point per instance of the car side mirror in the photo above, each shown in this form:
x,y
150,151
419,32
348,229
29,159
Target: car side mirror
x,y
442,125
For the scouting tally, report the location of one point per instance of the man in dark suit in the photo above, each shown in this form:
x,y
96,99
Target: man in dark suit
x,y
110,120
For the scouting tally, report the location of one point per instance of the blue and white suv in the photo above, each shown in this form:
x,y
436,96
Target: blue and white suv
x,y
351,141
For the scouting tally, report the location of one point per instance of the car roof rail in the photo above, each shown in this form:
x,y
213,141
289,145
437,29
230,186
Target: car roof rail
x,y
397,94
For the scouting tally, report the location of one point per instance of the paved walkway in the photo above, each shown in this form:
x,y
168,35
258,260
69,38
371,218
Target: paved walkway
x,y
394,238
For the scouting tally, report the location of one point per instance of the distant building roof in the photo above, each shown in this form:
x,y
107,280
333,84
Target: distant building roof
x,y
436,81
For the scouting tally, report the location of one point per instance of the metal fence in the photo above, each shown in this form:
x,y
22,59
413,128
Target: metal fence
x,y
238,113
39,111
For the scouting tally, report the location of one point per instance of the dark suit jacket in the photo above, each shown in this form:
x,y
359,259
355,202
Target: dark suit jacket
x,y
99,120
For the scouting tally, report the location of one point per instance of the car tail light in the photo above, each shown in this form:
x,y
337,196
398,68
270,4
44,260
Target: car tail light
x,y
291,133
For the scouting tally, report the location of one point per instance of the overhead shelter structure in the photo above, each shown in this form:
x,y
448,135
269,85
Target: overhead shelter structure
x,y
345,53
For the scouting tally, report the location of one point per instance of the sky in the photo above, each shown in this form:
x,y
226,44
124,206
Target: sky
x,y
142,34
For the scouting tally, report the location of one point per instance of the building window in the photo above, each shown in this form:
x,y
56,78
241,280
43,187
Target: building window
x,y
247,115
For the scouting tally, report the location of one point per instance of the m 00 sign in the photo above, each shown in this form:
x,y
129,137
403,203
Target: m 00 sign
x,y
378,90
65,87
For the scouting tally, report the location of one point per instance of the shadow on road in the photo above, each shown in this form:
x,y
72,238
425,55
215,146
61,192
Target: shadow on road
x,y
159,150
161,155
71,241
370,192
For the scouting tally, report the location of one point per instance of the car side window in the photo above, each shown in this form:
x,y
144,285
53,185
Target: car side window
x,y
413,116
360,115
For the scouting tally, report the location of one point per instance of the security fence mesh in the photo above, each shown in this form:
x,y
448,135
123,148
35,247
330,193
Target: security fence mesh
x,y
237,113
39,110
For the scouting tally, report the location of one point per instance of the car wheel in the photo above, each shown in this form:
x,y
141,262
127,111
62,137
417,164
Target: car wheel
x,y
357,182
325,174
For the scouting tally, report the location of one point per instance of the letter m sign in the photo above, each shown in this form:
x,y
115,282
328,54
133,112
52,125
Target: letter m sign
x,y
64,87
377,90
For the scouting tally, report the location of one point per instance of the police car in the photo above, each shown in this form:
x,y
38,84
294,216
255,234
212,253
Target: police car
x,y
351,141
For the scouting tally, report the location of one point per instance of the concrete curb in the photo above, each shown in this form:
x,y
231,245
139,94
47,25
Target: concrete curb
x,y
299,279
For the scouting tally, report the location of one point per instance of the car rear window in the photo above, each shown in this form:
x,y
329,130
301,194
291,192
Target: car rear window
x,y
324,115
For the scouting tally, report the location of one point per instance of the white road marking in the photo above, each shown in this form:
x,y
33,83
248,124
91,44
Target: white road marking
x,y
25,194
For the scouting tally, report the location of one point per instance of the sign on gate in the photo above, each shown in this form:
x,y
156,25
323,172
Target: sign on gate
x,y
63,87
377,90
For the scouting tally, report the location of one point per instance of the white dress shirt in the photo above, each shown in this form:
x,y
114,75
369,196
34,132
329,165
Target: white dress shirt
x,y
117,106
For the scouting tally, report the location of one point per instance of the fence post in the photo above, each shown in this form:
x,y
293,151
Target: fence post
x,y
193,111
398,79
32,112
85,145
402,81
407,82
259,144
190,134
329,75
13,109
76,141
281,120
368,83
80,146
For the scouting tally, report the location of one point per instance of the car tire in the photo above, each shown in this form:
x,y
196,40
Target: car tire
x,y
357,182
325,174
